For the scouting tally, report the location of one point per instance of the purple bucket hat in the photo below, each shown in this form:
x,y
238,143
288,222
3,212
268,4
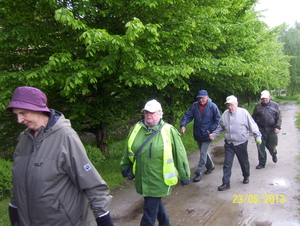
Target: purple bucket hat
x,y
28,98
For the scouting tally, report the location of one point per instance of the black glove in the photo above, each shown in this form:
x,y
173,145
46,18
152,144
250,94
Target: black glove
x,y
185,182
13,216
104,221
128,173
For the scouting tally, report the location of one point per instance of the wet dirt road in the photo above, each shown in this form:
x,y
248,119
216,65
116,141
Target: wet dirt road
x,y
271,197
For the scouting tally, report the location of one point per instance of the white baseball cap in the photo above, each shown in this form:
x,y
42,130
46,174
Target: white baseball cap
x,y
265,94
152,106
231,99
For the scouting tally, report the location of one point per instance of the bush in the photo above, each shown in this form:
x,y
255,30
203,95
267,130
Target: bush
x,y
5,178
94,154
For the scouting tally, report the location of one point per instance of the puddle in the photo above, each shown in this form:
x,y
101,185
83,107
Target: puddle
x,y
285,224
279,182
268,223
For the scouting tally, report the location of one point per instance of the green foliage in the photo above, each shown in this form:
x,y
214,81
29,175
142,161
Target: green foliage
x,y
5,178
94,154
100,61
298,121
188,139
291,39
110,168
10,130
4,218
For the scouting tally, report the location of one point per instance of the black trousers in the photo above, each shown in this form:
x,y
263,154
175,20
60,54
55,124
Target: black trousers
x,y
269,141
242,155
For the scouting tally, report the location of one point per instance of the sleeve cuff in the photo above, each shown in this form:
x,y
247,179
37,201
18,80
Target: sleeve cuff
x,y
102,215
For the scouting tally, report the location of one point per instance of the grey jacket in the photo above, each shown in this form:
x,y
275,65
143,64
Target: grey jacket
x,y
237,126
54,183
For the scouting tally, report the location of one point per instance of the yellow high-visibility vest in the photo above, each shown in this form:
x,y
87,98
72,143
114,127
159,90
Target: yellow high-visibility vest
x,y
169,169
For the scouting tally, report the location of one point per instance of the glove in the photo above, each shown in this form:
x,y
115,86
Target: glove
x,y
128,173
104,220
185,182
258,142
13,216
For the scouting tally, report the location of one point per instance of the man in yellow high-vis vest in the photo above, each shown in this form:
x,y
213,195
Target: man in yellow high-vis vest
x,y
158,163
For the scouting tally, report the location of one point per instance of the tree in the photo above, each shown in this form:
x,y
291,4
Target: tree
x,y
99,61
290,36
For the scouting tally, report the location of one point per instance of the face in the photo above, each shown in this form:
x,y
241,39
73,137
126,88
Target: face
x,y
232,107
151,118
31,119
265,100
202,100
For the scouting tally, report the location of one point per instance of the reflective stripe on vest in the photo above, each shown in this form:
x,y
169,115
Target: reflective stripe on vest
x,y
169,170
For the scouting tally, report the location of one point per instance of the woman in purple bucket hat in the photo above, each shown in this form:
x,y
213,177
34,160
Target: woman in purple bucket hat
x,y
54,182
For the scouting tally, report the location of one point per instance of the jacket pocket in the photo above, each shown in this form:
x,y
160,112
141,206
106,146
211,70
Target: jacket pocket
x,y
60,208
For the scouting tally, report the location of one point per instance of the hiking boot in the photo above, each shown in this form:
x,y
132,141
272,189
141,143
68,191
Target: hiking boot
x,y
197,178
209,170
246,180
224,187
260,166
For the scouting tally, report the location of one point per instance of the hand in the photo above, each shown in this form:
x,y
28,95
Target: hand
x,y
185,182
182,129
258,142
276,131
104,220
211,137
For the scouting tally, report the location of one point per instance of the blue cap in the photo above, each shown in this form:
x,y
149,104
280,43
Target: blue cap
x,y
202,93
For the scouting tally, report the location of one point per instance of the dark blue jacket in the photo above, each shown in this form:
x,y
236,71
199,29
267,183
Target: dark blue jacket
x,y
208,121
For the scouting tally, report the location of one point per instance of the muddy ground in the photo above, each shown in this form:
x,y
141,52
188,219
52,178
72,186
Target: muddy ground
x,y
271,197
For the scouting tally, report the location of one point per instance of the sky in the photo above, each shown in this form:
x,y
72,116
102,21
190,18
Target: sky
x,y
279,11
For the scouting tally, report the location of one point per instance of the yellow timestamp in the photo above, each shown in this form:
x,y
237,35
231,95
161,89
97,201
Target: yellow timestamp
x,y
258,199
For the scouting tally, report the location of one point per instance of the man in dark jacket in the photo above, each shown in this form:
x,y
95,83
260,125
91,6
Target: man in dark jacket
x,y
267,116
206,116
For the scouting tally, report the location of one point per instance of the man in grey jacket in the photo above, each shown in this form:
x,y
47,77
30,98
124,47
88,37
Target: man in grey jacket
x,y
236,122
54,183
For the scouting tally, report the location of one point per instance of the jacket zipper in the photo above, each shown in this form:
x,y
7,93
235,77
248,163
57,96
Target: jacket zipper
x,y
150,151
26,180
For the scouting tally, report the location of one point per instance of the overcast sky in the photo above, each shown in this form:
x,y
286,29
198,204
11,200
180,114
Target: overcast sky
x,y
279,11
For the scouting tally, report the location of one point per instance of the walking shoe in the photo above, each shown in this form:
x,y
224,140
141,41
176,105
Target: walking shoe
x,y
197,178
209,170
224,187
164,225
246,180
260,166
274,158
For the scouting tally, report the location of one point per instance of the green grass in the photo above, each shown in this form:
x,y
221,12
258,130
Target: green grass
x,y
4,218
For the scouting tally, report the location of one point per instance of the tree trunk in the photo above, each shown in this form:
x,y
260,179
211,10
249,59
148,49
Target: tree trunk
x,y
102,140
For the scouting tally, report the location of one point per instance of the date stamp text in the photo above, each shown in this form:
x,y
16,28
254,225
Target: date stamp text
x,y
258,199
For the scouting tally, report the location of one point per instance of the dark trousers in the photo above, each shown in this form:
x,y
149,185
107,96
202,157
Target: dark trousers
x,y
269,141
242,155
154,209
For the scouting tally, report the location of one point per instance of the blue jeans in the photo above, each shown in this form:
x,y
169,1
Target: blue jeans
x,y
205,159
154,209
